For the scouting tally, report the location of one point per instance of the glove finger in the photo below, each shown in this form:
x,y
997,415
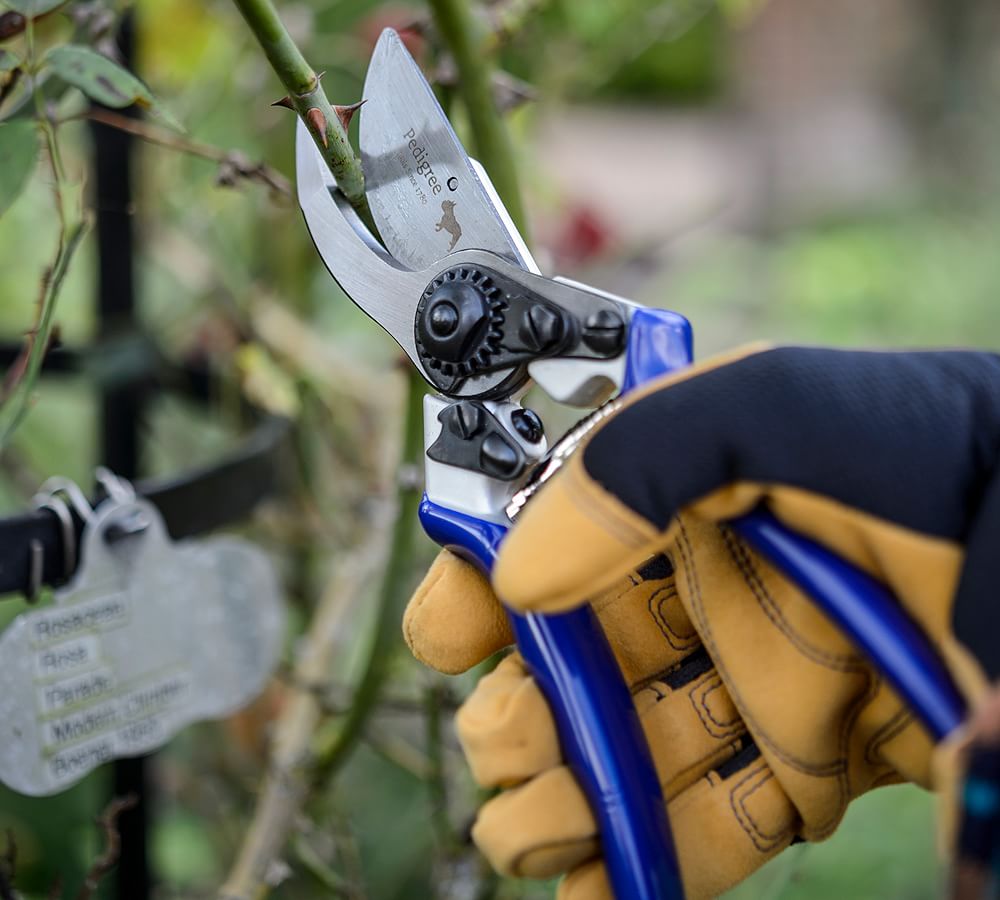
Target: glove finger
x,y
646,623
508,733
538,830
453,620
690,722
506,728
728,824
586,882
724,827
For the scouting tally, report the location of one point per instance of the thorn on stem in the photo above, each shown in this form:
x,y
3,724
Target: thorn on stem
x,y
346,113
318,122
285,101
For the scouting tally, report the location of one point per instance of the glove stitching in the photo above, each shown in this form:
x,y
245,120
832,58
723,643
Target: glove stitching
x,y
768,840
891,729
753,577
662,597
712,682
754,580
597,505
836,769
676,784
849,663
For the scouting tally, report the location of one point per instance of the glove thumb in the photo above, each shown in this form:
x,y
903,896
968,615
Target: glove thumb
x,y
571,543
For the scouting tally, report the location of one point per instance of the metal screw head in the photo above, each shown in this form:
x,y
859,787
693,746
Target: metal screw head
x,y
443,319
541,328
468,419
527,424
498,458
603,332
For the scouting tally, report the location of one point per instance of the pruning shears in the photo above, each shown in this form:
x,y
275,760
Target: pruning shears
x,y
454,284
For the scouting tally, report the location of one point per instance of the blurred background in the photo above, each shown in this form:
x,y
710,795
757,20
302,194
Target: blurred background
x,y
789,170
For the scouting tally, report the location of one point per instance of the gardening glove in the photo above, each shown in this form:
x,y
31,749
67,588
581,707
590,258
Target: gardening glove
x,y
763,721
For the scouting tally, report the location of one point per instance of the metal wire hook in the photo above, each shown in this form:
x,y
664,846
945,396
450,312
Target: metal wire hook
x,y
57,484
36,563
117,488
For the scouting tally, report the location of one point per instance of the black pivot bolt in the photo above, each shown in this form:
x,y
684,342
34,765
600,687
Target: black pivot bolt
x,y
604,332
443,319
453,321
527,424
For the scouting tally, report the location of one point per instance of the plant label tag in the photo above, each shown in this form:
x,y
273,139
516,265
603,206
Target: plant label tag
x,y
149,636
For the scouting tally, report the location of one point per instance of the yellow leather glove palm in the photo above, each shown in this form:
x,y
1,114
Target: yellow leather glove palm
x,y
763,721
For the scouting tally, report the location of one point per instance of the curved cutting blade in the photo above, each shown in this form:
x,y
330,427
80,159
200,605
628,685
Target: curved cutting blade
x,y
362,268
425,194
388,293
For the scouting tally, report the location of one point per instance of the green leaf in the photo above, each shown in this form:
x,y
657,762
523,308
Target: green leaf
x,y
32,7
8,62
98,77
10,73
103,80
18,155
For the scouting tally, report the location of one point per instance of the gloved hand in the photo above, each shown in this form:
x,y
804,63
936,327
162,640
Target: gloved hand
x,y
763,721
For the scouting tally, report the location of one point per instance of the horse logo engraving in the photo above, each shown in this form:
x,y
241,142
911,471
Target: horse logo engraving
x,y
449,223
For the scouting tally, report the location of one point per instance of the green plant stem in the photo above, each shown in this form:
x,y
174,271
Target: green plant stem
x,y
232,161
297,769
16,404
72,227
437,781
489,134
307,97
393,594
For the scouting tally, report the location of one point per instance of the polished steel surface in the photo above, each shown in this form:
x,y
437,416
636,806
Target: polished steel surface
x,y
365,272
426,196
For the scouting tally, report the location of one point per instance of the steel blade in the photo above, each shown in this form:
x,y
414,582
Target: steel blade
x,y
426,196
384,290
365,272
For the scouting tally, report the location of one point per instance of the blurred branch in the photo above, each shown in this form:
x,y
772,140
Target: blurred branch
x,y
435,700
327,878
392,593
22,379
507,18
112,845
233,165
454,22
8,868
288,782
509,92
296,769
327,124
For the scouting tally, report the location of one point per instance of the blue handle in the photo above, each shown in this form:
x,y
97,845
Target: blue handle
x,y
570,658
599,729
